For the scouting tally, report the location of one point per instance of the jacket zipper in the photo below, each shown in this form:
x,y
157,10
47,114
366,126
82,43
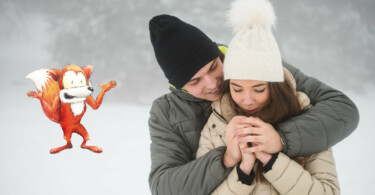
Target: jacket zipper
x,y
219,115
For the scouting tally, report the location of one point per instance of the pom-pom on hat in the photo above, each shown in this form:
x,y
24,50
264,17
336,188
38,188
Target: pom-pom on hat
x,y
253,53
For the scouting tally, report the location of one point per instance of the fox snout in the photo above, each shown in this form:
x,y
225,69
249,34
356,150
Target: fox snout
x,y
75,94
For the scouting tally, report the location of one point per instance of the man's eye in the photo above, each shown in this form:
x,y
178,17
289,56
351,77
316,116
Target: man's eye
x,y
213,67
194,82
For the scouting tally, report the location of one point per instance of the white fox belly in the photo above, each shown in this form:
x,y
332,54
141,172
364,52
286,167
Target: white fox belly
x,y
77,108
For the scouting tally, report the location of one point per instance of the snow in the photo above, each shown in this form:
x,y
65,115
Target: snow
x,y
354,160
27,167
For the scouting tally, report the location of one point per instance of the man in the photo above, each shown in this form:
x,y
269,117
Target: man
x,y
191,62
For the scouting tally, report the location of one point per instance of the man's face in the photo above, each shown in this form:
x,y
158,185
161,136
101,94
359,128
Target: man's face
x,y
207,83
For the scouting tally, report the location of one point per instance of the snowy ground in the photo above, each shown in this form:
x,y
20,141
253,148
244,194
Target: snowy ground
x,y
353,156
27,167
26,136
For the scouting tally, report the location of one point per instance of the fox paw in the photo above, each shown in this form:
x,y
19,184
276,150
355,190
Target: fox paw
x,y
97,149
93,148
109,85
56,150
33,94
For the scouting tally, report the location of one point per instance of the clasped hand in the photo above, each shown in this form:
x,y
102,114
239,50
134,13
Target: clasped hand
x,y
243,130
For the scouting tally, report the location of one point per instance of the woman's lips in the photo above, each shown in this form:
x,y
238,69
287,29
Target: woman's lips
x,y
251,111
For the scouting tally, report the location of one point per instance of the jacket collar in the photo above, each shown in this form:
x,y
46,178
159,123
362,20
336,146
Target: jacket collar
x,y
224,112
224,108
186,95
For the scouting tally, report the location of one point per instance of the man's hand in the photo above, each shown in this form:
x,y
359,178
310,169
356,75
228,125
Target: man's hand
x,y
261,133
263,157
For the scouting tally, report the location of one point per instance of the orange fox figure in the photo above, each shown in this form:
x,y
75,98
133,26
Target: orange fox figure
x,y
64,95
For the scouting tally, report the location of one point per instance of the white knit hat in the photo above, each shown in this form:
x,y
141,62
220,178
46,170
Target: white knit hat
x,y
253,53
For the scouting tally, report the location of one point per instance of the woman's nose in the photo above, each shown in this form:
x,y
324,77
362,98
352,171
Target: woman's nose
x,y
248,100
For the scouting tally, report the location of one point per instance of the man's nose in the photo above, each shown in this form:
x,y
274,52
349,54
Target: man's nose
x,y
211,82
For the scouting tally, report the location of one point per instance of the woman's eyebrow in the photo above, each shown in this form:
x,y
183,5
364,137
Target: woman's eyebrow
x,y
235,84
259,85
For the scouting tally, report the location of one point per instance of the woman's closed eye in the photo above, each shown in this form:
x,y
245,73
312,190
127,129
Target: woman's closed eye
x,y
260,90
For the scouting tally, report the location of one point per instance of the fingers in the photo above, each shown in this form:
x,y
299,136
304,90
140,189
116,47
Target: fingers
x,y
239,119
112,83
251,138
242,125
254,121
231,126
32,94
243,145
109,85
263,157
252,149
248,131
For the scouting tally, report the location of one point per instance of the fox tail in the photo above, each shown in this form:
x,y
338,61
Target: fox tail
x,y
45,81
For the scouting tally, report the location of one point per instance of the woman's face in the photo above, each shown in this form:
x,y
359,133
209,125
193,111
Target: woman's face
x,y
250,95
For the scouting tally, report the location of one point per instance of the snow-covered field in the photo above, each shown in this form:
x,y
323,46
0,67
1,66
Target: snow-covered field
x,y
26,136
27,167
354,159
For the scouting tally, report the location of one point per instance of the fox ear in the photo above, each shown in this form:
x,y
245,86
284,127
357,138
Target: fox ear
x,y
55,74
88,70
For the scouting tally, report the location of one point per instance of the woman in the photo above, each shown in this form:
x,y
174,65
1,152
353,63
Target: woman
x,y
261,93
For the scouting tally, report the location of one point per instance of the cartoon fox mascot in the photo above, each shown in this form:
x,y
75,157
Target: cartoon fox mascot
x,y
64,95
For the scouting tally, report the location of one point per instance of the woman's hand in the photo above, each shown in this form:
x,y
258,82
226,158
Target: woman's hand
x,y
233,153
248,160
257,131
263,157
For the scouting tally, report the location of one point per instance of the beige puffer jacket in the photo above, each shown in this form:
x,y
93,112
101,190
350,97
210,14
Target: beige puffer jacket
x,y
318,176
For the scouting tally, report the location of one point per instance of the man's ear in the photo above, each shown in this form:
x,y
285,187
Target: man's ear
x,y
55,74
222,57
88,70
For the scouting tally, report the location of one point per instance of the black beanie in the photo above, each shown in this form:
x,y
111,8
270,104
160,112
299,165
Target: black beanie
x,y
180,48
